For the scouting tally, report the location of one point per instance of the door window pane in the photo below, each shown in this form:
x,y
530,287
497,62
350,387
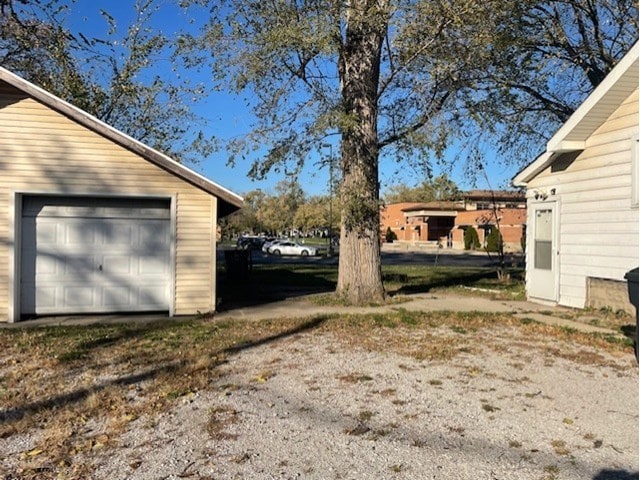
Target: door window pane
x,y
542,257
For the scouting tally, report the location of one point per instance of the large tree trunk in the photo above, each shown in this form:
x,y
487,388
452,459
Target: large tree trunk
x,y
359,273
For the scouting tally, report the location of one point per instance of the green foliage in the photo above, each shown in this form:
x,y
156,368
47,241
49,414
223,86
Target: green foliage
x,y
535,60
439,188
390,235
287,208
471,240
494,240
118,74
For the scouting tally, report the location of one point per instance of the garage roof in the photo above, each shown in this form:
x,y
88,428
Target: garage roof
x,y
229,201
603,101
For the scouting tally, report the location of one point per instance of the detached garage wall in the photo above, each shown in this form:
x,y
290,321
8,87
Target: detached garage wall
x,y
44,152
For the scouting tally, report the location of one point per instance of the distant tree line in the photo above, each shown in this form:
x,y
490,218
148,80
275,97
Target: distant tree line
x,y
437,189
289,211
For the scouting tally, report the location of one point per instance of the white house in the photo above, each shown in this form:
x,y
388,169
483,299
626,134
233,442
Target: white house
x,y
582,199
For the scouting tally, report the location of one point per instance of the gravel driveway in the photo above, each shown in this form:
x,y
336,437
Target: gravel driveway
x,y
315,406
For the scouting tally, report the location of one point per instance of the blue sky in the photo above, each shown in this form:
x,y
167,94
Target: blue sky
x,y
226,116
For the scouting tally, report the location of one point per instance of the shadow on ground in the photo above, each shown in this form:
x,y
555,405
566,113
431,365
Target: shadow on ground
x,y
448,280
261,286
616,475
84,350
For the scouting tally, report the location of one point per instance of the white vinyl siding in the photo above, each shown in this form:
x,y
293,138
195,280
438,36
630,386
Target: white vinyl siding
x,y
598,226
43,151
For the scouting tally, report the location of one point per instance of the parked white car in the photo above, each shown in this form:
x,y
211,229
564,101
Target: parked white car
x,y
292,248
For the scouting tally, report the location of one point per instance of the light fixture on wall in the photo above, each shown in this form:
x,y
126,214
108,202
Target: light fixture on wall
x,y
540,194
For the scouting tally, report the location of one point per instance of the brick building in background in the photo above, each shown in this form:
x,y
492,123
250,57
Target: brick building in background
x,y
444,222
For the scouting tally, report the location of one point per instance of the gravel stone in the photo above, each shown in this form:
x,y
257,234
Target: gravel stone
x,y
326,410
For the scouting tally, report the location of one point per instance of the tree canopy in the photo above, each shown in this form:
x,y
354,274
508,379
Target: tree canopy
x,y
381,80
285,210
503,72
402,80
126,75
439,188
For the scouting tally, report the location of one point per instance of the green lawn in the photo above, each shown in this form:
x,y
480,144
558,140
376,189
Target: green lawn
x,y
272,282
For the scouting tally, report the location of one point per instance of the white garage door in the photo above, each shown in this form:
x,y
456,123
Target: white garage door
x,y
84,255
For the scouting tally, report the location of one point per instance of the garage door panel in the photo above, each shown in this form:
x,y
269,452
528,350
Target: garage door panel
x,y
118,265
154,234
46,265
45,297
150,265
81,265
118,233
78,234
149,295
57,266
75,261
47,232
78,296
115,296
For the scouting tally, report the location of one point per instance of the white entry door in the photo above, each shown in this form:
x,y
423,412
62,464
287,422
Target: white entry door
x,y
544,266
96,255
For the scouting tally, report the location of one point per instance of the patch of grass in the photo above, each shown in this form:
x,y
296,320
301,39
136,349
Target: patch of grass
x,y
381,433
355,378
219,419
407,318
263,376
489,408
388,392
560,447
365,415
552,472
425,278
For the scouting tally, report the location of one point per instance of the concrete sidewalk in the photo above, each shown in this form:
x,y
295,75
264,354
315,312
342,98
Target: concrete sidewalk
x,y
304,306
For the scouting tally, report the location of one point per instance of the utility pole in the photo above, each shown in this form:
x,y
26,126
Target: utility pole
x,y
328,145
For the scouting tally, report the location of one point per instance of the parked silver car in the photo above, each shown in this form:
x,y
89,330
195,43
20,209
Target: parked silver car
x,y
292,248
272,243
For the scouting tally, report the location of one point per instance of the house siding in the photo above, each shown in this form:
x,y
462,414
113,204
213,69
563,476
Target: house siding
x,y
598,231
42,151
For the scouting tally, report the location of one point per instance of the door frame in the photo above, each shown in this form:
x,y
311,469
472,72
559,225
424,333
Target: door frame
x,y
554,205
15,248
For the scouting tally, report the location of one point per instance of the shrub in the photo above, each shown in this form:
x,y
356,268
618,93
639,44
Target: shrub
x,y
390,235
494,240
471,240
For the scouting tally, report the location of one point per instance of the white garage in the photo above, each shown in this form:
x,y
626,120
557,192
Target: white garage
x,y
94,254
94,221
